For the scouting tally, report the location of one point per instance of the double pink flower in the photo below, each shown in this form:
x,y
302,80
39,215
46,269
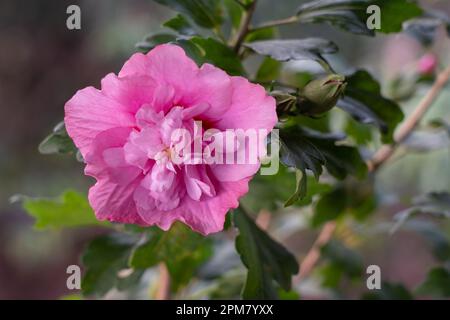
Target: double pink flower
x,y
125,134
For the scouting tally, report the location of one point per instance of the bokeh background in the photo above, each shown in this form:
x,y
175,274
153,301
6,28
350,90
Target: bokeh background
x,y
42,64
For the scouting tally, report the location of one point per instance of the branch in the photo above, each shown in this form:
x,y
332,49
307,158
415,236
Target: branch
x,y
244,27
386,151
276,23
163,290
380,157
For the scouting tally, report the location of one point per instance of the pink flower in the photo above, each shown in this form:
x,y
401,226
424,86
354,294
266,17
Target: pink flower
x,y
427,64
125,133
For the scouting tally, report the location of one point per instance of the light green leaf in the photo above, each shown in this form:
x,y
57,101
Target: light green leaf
x,y
71,209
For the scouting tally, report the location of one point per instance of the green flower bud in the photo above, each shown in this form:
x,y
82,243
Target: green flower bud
x,y
320,95
286,102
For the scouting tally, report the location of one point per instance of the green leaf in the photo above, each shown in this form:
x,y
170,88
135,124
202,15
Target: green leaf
x,y
58,142
260,34
389,291
351,15
306,149
436,204
361,134
348,260
265,259
212,51
269,70
300,190
364,102
152,41
205,13
395,12
104,257
437,283
330,206
341,261
261,197
234,11
297,49
354,197
71,209
181,249
181,25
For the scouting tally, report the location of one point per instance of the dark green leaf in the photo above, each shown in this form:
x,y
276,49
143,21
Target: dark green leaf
x,y
58,142
234,11
436,204
341,260
71,209
300,190
181,249
310,150
437,283
389,291
212,51
297,49
265,259
103,259
153,40
354,197
181,25
351,15
260,197
205,13
330,206
423,29
364,102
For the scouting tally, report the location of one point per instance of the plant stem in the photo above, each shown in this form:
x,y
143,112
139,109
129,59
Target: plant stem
x,y
244,26
163,291
276,23
380,157
386,151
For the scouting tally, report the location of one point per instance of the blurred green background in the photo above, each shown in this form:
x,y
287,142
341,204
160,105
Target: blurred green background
x,y
42,64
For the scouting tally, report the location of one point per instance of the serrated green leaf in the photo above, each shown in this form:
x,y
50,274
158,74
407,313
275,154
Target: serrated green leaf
x,y
306,149
266,260
71,209
181,249
205,13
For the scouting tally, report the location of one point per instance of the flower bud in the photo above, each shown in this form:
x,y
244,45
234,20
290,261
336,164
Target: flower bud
x,y
427,64
320,95
286,102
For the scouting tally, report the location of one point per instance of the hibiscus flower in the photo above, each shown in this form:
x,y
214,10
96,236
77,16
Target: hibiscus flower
x,y
125,132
